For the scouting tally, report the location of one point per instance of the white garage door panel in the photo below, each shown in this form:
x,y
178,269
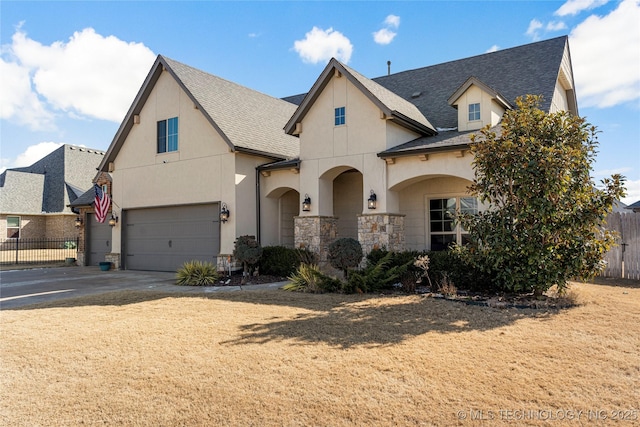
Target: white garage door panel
x,y
162,239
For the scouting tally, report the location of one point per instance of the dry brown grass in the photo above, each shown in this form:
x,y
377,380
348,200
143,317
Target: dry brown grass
x,y
279,358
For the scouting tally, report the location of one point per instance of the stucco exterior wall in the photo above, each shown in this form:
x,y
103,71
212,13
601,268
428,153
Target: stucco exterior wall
x,y
363,132
327,150
559,101
202,170
279,199
490,111
169,178
414,205
407,170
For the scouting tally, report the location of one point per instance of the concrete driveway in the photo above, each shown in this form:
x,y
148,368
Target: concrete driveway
x,y
24,287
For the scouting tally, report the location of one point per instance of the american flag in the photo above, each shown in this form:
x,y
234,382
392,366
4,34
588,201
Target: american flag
x,y
101,203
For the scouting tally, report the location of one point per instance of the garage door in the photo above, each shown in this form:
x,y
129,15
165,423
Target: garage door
x,y
162,239
98,240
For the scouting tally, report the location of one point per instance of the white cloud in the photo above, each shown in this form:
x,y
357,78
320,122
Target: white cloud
x,y
534,29
493,48
19,101
384,36
633,192
392,21
89,75
573,7
606,57
321,45
33,153
556,26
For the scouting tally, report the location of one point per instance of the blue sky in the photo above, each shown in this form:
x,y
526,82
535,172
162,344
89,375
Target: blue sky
x,y
70,70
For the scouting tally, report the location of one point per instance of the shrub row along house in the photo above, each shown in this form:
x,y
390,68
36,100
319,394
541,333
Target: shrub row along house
x,y
199,161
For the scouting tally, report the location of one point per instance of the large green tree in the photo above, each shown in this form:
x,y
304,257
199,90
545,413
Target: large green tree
x,y
543,226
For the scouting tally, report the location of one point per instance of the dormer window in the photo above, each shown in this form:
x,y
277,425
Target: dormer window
x,y
340,116
474,112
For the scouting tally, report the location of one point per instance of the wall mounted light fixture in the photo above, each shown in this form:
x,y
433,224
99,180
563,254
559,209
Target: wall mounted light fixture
x,y
371,201
78,222
306,204
113,220
224,213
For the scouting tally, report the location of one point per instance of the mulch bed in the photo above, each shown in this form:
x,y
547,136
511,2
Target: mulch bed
x,y
502,301
236,279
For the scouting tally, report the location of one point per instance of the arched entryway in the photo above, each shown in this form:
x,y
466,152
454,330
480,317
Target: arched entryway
x,y
347,202
278,211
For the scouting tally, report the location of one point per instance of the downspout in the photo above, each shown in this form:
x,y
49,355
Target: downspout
x,y
258,204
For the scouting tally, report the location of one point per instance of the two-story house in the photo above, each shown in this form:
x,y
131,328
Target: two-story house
x,y
199,160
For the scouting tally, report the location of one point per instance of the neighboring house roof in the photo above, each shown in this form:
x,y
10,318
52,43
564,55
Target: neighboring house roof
x,y
635,207
85,199
393,106
21,192
51,183
248,121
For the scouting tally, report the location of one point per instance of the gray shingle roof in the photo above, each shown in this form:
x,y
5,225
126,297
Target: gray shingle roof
x,y
49,184
397,109
390,99
527,69
249,119
447,140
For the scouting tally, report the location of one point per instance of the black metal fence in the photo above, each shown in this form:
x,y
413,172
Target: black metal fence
x,y
37,251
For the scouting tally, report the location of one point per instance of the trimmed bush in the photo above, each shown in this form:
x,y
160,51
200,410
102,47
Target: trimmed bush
x,y
345,253
283,261
248,251
458,271
196,273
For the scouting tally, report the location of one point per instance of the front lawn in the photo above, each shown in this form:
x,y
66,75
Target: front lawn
x,y
281,358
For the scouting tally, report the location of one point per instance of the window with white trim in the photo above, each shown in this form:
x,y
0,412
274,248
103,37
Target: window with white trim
x,y
443,228
474,112
168,135
13,227
340,116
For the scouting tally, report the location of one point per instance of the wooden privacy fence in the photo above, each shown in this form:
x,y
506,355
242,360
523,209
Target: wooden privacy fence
x,y
623,261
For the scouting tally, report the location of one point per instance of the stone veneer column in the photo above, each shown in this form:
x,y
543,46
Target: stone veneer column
x,y
315,233
381,231
113,258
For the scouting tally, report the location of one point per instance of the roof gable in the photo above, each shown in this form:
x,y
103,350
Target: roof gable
x,y
392,106
247,120
521,70
473,81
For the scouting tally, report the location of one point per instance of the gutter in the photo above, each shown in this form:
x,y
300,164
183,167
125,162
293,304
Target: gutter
x,y
418,151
